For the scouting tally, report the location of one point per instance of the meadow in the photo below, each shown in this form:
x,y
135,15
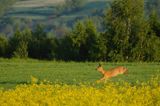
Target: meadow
x,y
16,71
53,83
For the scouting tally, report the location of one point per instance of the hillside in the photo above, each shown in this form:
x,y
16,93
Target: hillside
x,y
36,3
52,14
54,33
29,13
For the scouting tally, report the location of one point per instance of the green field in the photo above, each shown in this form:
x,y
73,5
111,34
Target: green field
x,y
14,71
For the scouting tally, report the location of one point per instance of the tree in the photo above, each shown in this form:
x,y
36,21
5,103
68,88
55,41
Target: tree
x,y
129,36
3,46
83,43
125,25
154,23
36,43
95,44
21,50
41,46
65,49
19,43
76,41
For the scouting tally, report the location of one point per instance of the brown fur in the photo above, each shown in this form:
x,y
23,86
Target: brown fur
x,y
111,72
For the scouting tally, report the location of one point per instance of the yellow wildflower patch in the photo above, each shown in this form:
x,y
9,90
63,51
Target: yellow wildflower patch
x,y
110,94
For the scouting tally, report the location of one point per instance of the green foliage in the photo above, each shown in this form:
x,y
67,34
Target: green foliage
x,y
154,22
147,43
95,44
69,46
21,50
3,46
128,36
19,43
41,46
83,43
121,22
128,33
34,44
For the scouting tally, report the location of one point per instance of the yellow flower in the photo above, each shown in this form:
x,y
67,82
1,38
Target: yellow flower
x,y
111,94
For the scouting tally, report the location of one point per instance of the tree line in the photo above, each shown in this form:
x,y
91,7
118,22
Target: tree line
x,y
128,36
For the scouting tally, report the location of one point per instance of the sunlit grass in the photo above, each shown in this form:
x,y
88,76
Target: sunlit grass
x,y
17,71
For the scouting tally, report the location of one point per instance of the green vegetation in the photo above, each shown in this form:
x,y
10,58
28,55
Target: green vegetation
x,y
5,5
127,36
55,16
75,36
15,71
129,33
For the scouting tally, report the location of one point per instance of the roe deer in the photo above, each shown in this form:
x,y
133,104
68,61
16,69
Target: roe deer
x,y
111,72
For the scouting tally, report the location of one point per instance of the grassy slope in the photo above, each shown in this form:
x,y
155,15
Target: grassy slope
x,y
13,72
34,9
32,12
36,3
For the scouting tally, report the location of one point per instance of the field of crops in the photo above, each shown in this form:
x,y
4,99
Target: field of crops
x,y
33,82
111,94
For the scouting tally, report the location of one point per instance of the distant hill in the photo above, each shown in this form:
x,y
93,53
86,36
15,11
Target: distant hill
x,y
29,13
50,13
36,3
